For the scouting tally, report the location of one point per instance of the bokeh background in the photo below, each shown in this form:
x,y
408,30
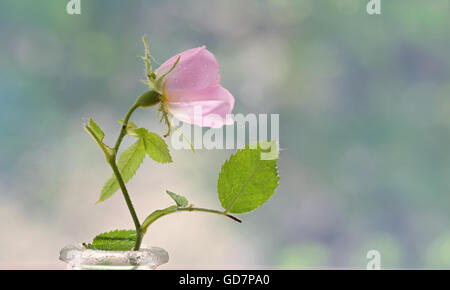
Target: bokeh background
x,y
364,104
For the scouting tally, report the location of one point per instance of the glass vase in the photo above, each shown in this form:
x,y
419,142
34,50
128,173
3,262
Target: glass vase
x,y
78,257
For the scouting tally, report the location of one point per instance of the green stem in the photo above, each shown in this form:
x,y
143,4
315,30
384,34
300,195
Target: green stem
x,y
211,211
173,209
112,163
137,224
123,131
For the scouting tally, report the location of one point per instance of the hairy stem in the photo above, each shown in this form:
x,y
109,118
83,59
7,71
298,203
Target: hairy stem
x,y
173,209
113,164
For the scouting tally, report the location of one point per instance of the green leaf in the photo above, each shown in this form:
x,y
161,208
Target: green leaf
x,y
98,133
181,201
129,162
130,125
118,240
247,180
155,146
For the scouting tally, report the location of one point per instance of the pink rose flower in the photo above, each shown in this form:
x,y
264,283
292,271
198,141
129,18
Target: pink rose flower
x,y
191,91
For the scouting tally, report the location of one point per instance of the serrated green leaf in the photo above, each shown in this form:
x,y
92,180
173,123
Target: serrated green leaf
x,y
181,201
129,162
118,240
117,235
246,180
96,130
155,146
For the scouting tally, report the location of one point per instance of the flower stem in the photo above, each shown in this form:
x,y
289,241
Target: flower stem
x,y
113,164
211,211
172,209
129,204
123,130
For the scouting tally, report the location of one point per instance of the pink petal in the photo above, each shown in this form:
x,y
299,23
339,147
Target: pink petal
x,y
207,108
196,70
165,67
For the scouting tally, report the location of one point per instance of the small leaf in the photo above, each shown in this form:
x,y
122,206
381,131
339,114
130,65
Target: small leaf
x,y
129,162
118,240
96,130
97,134
247,180
155,146
130,125
181,201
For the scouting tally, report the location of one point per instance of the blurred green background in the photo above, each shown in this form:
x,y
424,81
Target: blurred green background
x,y
364,104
